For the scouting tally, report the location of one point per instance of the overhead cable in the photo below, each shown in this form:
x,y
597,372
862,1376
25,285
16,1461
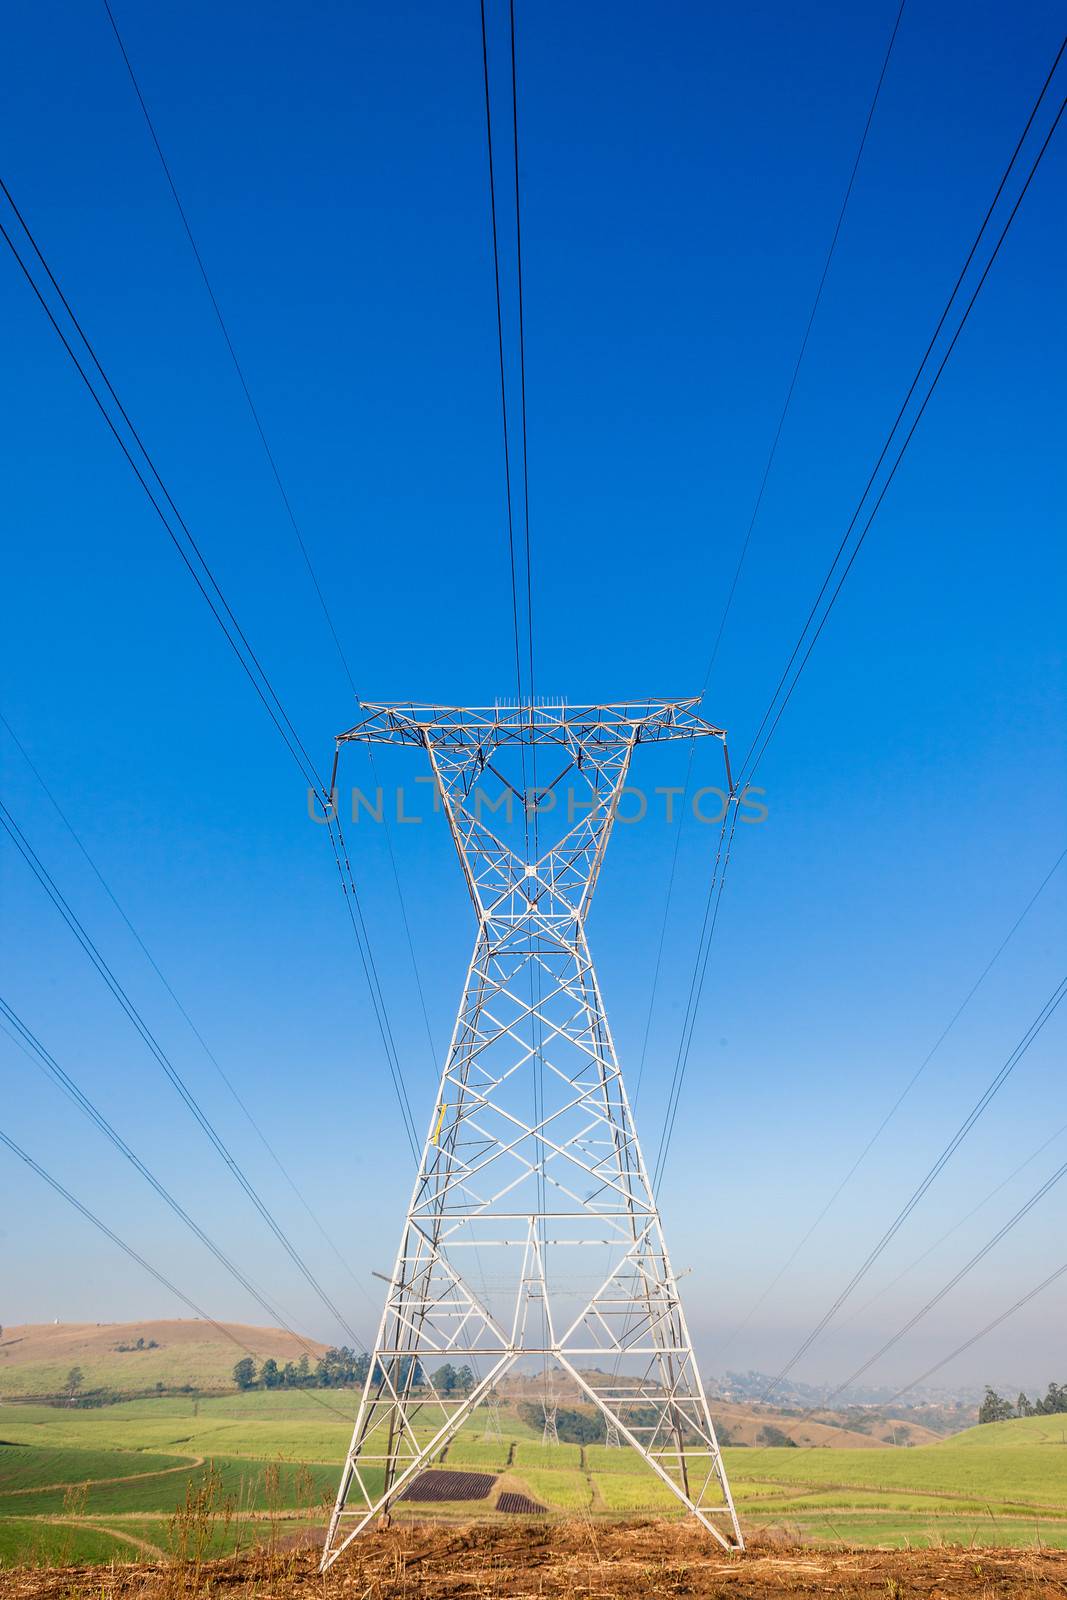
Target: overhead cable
x,y
957,1278
282,491
144,468
798,363
90,948
238,1099
44,1059
993,1088
772,453
789,678
1016,1305
778,703
135,1255
895,1107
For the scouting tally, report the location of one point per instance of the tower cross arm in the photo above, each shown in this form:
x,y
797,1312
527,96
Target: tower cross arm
x,y
607,725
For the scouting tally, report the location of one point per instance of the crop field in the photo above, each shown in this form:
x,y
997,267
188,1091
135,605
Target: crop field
x,y
481,1454
146,1477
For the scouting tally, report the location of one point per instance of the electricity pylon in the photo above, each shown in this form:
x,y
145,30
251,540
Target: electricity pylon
x,y
531,1157
493,1432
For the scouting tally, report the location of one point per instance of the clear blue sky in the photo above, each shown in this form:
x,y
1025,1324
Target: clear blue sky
x,y
682,171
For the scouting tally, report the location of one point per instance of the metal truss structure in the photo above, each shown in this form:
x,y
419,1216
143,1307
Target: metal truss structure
x,y
532,1236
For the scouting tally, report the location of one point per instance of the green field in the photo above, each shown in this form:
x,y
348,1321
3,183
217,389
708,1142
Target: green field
x,y
154,1477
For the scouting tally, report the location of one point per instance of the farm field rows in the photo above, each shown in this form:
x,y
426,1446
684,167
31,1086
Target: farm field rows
x,y
112,1482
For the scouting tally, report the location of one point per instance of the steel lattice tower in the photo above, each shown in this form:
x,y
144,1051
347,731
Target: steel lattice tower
x,y
532,1233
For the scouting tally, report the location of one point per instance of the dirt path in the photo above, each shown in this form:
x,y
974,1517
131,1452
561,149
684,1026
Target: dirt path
x,y
152,1551
128,1477
812,1491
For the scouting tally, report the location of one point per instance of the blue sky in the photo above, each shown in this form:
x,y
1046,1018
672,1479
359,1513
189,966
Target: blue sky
x,y
682,171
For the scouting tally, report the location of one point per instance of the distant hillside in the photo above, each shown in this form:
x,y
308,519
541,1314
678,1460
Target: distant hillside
x,y
746,1425
36,1358
1019,1431
743,1423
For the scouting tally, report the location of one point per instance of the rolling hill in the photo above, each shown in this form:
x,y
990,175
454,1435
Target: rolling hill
x,y
745,1424
36,1357
1051,1430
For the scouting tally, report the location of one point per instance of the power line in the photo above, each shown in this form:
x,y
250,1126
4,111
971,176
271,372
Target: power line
x,y
503,381
183,542
946,1288
43,877
750,765
761,740
1017,1305
231,1087
370,970
276,474
658,964
135,1255
803,346
230,347
772,453
707,934
535,968
29,1042
956,1226
976,1111
522,370
979,1255
535,976
895,1107
224,616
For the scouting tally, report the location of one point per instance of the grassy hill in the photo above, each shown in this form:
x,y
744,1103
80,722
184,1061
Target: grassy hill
x,y
1021,1431
106,1480
36,1357
744,1425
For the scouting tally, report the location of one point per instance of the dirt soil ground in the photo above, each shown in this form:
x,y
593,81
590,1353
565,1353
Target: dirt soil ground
x,y
571,1560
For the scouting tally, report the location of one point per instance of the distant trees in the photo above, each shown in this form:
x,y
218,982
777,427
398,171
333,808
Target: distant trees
x,y
75,1379
572,1426
995,1408
339,1368
452,1380
1054,1403
776,1438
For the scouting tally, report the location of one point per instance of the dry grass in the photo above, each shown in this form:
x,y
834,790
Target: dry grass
x,y
573,1560
36,1357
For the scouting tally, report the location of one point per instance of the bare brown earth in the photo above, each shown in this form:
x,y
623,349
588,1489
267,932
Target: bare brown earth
x,y
569,1560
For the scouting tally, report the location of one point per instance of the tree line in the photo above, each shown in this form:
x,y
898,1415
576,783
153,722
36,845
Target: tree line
x,y
995,1408
342,1368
